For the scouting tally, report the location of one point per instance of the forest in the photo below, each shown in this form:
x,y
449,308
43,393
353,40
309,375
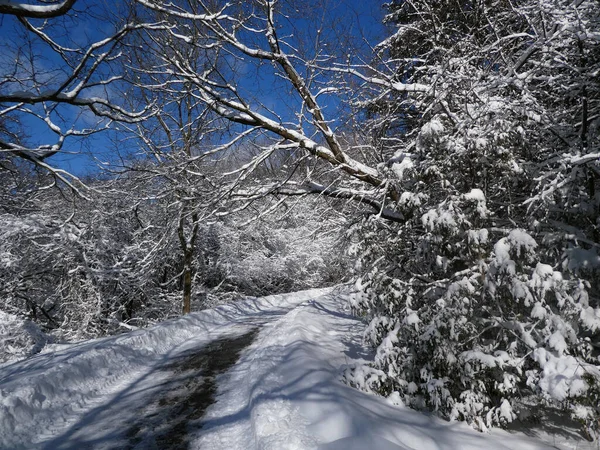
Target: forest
x,y
440,158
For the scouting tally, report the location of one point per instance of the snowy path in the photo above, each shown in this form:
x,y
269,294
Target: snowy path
x,y
151,389
156,410
86,395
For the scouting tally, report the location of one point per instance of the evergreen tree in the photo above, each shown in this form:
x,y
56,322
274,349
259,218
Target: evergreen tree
x,y
488,292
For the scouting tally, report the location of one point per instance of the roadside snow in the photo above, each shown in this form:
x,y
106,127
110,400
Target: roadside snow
x,y
19,338
43,396
284,393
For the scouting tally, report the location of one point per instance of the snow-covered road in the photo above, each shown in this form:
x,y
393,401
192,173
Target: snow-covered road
x,y
87,395
149,388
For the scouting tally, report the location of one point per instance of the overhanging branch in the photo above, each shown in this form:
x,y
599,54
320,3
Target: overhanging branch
x,y
341,193
40,11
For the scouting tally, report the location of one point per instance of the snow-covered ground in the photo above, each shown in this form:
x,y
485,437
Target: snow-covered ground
x,y
283,393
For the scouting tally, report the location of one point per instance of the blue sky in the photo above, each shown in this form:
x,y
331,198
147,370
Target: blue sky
x,y
79,156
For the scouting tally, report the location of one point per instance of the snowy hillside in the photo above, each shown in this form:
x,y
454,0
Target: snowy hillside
x,y
156,388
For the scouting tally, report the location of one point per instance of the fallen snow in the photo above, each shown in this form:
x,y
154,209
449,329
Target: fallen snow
x,y
284,393
43,396
19,338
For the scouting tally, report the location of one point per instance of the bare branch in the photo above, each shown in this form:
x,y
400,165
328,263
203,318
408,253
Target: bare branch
x,y
40,11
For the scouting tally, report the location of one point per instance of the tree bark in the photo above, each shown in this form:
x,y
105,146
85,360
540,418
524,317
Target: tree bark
x,y
187,282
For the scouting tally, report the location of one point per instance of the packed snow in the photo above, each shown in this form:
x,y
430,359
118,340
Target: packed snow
x,y
284,392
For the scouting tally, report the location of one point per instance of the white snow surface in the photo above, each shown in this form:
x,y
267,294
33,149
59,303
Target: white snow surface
x,y
43,397
284,393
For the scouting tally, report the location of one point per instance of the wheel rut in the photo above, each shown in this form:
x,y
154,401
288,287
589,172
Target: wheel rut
x,y
182,400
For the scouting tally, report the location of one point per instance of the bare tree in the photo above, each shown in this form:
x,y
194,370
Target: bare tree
x,y
256,40
57,83
175,140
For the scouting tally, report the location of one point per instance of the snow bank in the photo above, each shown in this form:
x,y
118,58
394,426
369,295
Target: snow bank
x,y
44,394
19,338
285,394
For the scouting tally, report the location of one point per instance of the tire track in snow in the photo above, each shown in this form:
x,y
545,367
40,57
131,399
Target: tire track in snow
x,y
185,397
250,413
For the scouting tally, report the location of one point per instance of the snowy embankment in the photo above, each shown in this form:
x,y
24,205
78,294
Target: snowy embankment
x,y
44,395
284,393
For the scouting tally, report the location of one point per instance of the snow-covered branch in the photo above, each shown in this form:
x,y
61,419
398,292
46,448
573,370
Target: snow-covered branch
x,y
217,34
72,90
38,10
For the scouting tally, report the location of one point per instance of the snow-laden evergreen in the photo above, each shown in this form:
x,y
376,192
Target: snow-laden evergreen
x,y
488,293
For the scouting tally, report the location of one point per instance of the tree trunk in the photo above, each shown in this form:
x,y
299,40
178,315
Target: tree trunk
x,y
187,246
187,283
